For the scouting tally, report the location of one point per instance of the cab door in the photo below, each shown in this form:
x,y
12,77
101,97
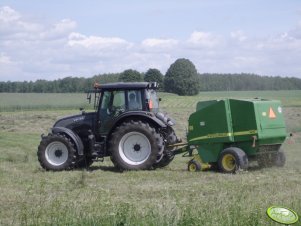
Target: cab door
x,y
112,105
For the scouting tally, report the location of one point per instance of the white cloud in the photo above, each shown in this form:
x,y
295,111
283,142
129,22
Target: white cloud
x,y
8,14
76,39
13,27
238,35
159,43
4,59
203,39
296,32
60,29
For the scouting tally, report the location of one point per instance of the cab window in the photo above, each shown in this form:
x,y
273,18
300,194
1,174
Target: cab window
x,y
153,101
105,100
113,103
119,99
134,100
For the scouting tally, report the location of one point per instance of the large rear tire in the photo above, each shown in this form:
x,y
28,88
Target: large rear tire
x,y
56,153
168,155
135,145
232,159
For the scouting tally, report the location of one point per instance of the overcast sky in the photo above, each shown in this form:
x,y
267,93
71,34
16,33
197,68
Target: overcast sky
x,y
55,39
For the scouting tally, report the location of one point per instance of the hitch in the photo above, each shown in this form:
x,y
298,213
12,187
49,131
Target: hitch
x,y
180,148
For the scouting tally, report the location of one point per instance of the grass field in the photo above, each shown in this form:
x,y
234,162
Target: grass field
x,y
102,196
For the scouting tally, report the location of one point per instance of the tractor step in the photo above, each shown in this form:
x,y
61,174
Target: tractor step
x,y
98,159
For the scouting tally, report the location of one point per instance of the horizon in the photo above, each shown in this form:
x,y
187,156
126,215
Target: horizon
x,y
142,73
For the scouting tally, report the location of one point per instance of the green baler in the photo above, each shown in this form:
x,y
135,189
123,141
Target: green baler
x,y
228,133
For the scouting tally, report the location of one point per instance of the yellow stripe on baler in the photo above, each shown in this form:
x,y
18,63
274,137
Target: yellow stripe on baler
x,y
249,132
211,136
219,135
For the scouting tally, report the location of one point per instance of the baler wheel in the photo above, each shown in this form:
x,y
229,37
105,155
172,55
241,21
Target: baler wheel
x,y
232,159
228,162
194,166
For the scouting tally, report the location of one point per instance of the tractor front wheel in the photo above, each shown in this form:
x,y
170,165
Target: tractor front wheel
x,y
232,159
135,145
56,152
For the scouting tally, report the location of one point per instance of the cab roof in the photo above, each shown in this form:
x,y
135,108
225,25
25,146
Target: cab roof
x,y
126,85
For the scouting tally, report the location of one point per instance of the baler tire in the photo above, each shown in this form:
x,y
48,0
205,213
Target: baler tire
x,y
49,153
194,166
280,159
123,146
233,154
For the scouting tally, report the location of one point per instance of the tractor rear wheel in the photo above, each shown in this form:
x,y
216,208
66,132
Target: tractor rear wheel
x,y
56,153
168,155
232,159
135,145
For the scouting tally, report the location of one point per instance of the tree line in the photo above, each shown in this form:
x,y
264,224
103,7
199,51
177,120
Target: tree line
x,y
181,78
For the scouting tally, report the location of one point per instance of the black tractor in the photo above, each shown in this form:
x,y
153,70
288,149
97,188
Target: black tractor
x,y
126,125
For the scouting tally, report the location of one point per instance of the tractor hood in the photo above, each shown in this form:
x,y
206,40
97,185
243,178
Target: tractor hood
x,y
77,121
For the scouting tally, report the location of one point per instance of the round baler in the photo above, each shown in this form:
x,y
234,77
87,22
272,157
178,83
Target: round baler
x,y
228,133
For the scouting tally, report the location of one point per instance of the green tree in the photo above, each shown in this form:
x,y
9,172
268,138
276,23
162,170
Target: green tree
x,y
154,75
181,78
130,76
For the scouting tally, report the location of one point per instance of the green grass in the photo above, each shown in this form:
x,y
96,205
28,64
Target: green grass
x,y
42,101
55,101
170,196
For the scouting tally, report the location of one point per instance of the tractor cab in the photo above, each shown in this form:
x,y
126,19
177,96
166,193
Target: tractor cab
x,y
126,96
116,100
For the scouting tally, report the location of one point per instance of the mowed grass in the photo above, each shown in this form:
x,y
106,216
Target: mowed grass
x,y
169,196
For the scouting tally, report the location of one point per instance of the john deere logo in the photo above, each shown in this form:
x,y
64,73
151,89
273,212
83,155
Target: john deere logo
x,y
282,215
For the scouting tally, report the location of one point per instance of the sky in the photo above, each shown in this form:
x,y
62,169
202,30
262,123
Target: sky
x,y
54,39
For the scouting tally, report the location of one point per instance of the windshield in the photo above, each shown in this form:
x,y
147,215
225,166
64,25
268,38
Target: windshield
x,y
153,101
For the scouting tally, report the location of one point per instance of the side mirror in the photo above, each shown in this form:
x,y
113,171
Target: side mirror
x,y
160,99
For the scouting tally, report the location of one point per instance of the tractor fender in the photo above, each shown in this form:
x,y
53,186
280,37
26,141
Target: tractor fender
x,y
150,117
72,135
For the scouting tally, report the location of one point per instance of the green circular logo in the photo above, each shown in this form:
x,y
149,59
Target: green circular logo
x,y
282,215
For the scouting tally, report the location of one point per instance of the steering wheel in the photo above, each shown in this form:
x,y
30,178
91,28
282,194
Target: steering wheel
x,y
115,111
